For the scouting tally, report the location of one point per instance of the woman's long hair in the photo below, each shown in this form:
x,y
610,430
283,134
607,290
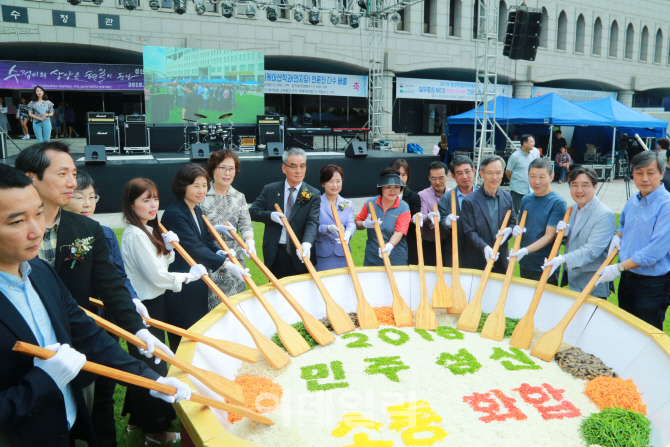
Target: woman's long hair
x,y
134,189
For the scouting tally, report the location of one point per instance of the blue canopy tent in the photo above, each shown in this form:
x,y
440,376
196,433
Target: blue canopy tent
x,y
250,83
235,82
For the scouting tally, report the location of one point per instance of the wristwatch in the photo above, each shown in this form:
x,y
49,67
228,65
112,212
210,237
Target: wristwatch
x,y
620,267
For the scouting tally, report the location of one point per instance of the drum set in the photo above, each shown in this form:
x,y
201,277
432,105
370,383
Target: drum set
x,y
208,133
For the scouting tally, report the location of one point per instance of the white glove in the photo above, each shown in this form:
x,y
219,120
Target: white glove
x,y
369,223
609,273
505,233
554,263
183,390
616,243
252,248
236,270
563,226
225,229
332,229
141,309
488,253
169,237
347,237
517,231
64,366
151,341
387,249
224,254
451,219
431,217
195,273
306,249
420,219
276,217
519,254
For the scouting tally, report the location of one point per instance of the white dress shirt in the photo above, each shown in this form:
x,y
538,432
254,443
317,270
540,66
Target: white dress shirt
x,y
282,239
148,272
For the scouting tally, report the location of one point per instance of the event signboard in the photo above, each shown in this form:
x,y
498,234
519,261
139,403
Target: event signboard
x,y
442,90
306,83
64,76
573,95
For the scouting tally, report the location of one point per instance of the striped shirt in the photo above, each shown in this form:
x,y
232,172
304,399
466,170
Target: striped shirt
x,y
47,251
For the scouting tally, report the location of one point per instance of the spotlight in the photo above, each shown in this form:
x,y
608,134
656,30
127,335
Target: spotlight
x,y
75,2
130,4
251,11
334,17
153,4
271,13
97,2
227,9
396,17
314,16
363,4
200,7
353,20
297,15
180,6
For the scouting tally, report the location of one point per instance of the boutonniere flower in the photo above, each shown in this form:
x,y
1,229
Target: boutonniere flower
x,y
78,249
305,196
343,206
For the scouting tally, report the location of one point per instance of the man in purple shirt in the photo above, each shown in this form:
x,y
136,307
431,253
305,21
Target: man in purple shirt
x,y
437,174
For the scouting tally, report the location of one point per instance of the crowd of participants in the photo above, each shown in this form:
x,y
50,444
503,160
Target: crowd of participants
x,y
49,269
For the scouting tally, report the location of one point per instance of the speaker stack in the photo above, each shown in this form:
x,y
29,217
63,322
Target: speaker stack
x,y
524,26
102,130
356,149
137,137
270,129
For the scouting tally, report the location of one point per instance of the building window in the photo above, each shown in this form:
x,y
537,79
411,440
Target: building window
x,y
598,37
403,24
502,21
475,19
630,38
644,44
455,18
580,31
429,16
658,47
544,28
614,39
562,33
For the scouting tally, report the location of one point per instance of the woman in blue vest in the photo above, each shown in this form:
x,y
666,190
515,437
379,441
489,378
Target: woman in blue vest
x,y
393,216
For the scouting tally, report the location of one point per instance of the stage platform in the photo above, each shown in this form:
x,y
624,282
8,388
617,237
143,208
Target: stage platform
x,y
360,174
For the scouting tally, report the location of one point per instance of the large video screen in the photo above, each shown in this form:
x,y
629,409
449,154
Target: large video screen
x,y
223,86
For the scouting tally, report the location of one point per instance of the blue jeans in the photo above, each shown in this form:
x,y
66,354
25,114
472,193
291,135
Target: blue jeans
x,y
646,297
562,173
42,130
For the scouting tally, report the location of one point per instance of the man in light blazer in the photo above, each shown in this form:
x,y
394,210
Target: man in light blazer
x,y
482,214
300,205
587,235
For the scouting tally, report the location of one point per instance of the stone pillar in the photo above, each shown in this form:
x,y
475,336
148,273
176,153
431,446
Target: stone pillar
x,y
387,106
523,89
625,97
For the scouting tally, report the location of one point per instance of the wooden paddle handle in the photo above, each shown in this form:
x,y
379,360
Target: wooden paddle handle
x,y
512,261
438,243
177,246
454,238
289,230
496,246
122,333
345,247
378,230
559,238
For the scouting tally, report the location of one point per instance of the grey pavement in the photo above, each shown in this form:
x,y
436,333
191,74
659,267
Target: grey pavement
x,y
612,194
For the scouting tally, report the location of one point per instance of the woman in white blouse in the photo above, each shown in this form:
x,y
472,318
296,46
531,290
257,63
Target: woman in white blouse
x,y
147,253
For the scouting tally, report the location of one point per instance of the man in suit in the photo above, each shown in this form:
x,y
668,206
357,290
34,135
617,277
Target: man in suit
x,y
91,274
588,234
483,212
40,400
437,174
463,171
300,205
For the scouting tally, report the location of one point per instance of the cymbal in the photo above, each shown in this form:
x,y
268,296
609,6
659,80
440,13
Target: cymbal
x,y
190,121
203,132
227,115
199,115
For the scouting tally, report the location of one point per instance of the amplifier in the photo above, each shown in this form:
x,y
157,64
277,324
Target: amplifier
x,y
100,117
269,119
247,143
103,133
136,119
137,138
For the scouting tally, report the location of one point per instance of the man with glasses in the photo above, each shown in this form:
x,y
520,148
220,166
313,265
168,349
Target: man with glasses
x,y
437,174
300,205
587,235
483,212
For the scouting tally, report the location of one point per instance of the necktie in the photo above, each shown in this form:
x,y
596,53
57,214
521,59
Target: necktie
x,y
289,207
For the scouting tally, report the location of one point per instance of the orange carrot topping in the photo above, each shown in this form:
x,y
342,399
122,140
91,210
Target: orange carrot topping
x,y
611,392
384,315
261,395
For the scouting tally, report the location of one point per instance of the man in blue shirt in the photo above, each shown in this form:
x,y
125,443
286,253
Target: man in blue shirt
x,y
546,208
517,170
643,239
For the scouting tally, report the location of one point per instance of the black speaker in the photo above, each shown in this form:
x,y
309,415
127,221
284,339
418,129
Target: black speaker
x,y
523,34
136,135
199,151
269,133
102,133
356,149
273,151
95,154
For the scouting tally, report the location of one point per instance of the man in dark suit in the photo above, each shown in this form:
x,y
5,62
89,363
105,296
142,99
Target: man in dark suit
x,y
40,400
89,273
300,205
482,214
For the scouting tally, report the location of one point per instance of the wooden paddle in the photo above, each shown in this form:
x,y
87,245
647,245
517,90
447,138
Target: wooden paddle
x,y
268,349
494,326
132,379
425,315
548,344
457,292
469,319
220,385
441,293
401,311
315,328
290,338
339,319
366,315
230,348
523,333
